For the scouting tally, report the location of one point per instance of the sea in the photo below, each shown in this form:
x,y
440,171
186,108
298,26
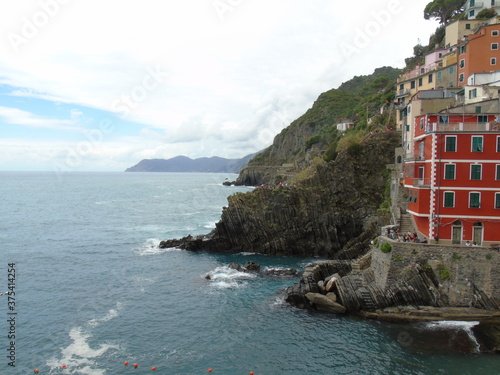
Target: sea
x,y
91,292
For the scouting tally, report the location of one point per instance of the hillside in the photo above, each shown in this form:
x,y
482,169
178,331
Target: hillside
x,y
315,134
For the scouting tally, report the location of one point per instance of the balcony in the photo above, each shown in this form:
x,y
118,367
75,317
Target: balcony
x,y
462,127
401,93
477,5
422,182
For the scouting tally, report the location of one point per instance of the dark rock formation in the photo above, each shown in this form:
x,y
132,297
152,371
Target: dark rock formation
x,y
317,216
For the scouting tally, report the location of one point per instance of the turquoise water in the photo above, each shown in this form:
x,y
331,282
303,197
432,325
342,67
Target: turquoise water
x,y
93,290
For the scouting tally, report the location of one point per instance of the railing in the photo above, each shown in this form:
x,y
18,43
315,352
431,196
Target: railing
x,y
403,92
421,182
462,127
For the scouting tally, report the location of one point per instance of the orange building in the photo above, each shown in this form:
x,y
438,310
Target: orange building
x,y
453,177
479,53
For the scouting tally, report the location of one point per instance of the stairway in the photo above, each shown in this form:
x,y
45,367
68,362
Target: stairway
x,y
406,223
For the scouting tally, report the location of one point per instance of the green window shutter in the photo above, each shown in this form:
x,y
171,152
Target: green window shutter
x,y
449,172
451,144
474,200
497,200
449,198
498,173
475,172
477,144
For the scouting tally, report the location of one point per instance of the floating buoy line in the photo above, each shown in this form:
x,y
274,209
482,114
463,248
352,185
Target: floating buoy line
x,y
126,363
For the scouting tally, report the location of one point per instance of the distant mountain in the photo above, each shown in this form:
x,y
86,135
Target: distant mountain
x,y
214,164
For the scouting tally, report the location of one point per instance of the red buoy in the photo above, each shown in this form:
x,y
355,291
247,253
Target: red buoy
x,y
36,371
125,363
209,370
251,372
136,365
63,366
153,368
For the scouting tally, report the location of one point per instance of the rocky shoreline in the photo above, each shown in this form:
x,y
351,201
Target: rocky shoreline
x,y
410,283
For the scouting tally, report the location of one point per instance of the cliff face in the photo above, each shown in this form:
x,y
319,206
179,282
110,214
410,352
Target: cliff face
x,y
314,217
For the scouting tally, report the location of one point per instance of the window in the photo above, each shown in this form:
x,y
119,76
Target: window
x,y
452,69
497,200
472,3
475,171
492,3
422,123
463,49
449,199
494,33
482,119
494,46
498,144
497,177
462,63
415,195
420,82
401,87
461,77
439,75
443,119
451,144
493,61
430,78
472,13
412,84
467,26
477,144
474,200
449,172
472,93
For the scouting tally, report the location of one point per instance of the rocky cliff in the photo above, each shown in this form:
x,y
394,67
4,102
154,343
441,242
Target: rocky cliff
x,y
333,204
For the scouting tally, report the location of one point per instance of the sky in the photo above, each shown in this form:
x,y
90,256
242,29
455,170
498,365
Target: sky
x,y
89,85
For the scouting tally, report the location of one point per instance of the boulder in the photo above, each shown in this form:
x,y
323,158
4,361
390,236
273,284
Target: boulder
x,y
331,282
331,296
323,303
290,272
252,266
235,266
321,285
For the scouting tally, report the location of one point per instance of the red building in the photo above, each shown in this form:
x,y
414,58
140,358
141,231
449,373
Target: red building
x,y
453,177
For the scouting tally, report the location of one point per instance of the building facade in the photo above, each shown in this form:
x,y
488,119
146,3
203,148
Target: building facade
x,y
453,177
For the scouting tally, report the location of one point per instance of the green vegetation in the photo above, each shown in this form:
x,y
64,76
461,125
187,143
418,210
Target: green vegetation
x,y
386,247
444,273
455,256
443,10
427,267
486,14
489,256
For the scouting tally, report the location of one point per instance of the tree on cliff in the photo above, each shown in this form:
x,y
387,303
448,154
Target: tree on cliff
x,y
443,10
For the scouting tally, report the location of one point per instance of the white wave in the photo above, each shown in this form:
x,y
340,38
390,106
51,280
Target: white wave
x,y
466,326
225,277
78,356
112,313
209,226
151,247
245,253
